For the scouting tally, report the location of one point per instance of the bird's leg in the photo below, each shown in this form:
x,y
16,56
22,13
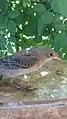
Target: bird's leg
x,y
26,89
20,87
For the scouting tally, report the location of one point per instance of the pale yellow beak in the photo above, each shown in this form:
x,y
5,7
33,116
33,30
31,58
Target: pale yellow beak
x,y
57,58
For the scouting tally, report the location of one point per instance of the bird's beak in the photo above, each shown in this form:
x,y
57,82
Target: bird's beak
x,y
57,58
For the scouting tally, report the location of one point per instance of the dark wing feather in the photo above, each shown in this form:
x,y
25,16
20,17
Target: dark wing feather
x,y
13,62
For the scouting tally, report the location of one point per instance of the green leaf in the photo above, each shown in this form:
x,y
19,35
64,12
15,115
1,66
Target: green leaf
x,y
2,42
40,8
6,21
4,5
55,6
46,18
59,26
63,7
13,14
10,50
40,27
60,41
11,26
2,19
12,39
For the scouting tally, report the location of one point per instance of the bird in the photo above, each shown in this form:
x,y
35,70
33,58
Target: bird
x,y
26,61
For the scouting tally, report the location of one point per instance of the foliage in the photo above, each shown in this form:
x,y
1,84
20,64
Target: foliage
x,y
24,23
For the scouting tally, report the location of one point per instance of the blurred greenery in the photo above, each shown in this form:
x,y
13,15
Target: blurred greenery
x,y
25,23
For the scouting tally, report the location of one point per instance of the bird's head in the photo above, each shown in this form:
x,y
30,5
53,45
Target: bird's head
x,y
47,54
40,53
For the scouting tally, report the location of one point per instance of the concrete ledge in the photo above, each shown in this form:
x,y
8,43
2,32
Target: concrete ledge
x,y
52,109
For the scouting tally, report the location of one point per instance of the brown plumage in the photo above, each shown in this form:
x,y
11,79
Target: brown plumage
x,y
26,61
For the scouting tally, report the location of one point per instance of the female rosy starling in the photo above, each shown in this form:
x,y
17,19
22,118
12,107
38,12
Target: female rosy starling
x,y
26,61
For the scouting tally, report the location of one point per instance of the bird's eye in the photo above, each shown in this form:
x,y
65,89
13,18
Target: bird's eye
x,y
51,54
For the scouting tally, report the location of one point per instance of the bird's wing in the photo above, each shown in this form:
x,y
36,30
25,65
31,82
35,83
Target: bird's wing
x,y
23,62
